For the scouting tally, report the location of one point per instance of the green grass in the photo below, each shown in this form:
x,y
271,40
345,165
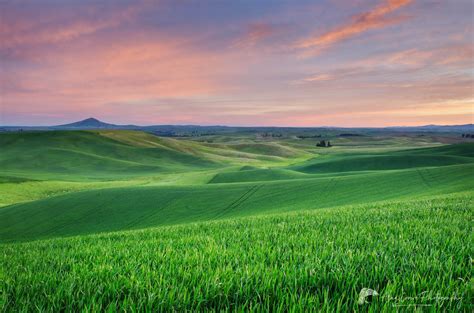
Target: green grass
x,y
254,175
146,206
110,155
86,155
125,220
426,157
409,252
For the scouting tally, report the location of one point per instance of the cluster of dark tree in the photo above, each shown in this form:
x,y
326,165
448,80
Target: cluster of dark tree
x,y
323,143
350,135
308,136
270,135
467,135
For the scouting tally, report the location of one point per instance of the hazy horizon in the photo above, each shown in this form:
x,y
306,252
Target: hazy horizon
x,y
226,125
367,63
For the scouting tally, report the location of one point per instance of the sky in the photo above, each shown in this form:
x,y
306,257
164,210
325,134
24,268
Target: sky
x,y
350,63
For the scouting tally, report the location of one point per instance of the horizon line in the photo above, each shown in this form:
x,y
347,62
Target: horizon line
x,y
236,126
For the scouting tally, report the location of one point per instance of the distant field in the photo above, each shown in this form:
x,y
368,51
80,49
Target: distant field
x,y
111,220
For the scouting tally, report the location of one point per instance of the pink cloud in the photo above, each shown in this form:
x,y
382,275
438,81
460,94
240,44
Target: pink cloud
x,y
255,33
84,76
58,26
123,65
372,19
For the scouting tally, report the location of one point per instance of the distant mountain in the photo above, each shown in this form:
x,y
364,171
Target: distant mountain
x,y
436,128
197,130
88,123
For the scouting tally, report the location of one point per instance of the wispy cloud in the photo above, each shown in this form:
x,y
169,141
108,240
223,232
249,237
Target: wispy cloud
x,y
148,62
376,18
407,64
18,28
319,77
254,34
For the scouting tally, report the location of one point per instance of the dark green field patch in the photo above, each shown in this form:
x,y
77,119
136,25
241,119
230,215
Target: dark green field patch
x,y
253,175
424,157
81,154
139,207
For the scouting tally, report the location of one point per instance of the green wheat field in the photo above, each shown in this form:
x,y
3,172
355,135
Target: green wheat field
x,y
122,220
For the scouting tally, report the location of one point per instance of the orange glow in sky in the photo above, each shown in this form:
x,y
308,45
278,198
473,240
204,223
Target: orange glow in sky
x,y
255,63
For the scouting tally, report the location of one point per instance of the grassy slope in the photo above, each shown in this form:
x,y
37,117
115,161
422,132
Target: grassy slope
x,y
425,157
305,261
99,155
241,255
241,151
337,164
82,155
161,198
255,175
37,165
138,207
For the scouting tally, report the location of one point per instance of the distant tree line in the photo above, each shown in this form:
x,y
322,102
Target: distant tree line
x,y
467,135
323,143
350,135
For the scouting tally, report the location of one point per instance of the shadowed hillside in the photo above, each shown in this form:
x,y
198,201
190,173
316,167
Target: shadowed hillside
x,y
423,157
116,180
74,155
82,154
138,207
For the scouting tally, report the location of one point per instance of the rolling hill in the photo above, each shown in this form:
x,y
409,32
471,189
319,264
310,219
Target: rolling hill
x,y
108,220
82,155
115,209
383,162
76,155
